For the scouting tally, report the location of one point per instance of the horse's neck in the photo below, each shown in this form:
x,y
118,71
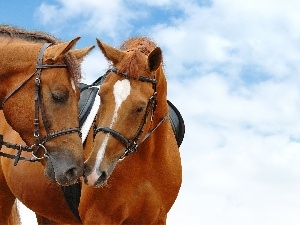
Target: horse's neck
x,y
16,63
158,137
8,82
17,55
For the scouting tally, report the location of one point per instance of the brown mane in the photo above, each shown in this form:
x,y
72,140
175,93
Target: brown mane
x,y
41,37
143,44
137,45
31,36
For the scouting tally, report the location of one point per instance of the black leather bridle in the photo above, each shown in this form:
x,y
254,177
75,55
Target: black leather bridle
x,y
38,105
132,144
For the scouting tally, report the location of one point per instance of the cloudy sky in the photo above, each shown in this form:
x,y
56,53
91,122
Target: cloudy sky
x,y
233,70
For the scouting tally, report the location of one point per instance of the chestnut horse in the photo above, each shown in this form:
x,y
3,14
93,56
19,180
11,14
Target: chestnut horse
x,y
134,143
39,99
131,124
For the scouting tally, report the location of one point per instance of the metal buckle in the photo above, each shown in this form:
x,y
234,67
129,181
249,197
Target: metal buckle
x,y
34,157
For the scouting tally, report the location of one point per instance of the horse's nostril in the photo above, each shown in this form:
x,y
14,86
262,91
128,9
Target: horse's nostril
x,y
71,174
101,179
103,176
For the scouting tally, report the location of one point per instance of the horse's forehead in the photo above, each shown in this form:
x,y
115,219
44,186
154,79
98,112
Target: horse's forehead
x,y
64,78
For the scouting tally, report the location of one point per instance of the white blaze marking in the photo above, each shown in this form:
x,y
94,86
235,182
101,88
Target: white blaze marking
x,y
121,92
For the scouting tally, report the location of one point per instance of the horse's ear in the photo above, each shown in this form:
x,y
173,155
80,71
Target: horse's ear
x,y
56,52
81,53
110,52
155,59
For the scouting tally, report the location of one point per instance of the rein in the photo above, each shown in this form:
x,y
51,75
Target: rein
x,y
38,104
132,144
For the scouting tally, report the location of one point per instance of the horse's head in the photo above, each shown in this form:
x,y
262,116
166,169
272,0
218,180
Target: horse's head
x,y
43,108
128,100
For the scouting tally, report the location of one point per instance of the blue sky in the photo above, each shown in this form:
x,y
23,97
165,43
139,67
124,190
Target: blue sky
x,y
233,70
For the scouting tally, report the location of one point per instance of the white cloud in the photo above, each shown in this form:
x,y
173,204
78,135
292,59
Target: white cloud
x,y
94,66
90,17
234,34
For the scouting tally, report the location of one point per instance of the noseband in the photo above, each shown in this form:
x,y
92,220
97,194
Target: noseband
x,y
132,144
38,104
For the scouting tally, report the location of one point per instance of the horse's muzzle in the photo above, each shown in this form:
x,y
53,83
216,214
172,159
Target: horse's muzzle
x,y
63,170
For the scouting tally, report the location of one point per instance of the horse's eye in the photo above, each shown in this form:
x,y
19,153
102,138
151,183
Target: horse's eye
x,y
59,97
140,109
